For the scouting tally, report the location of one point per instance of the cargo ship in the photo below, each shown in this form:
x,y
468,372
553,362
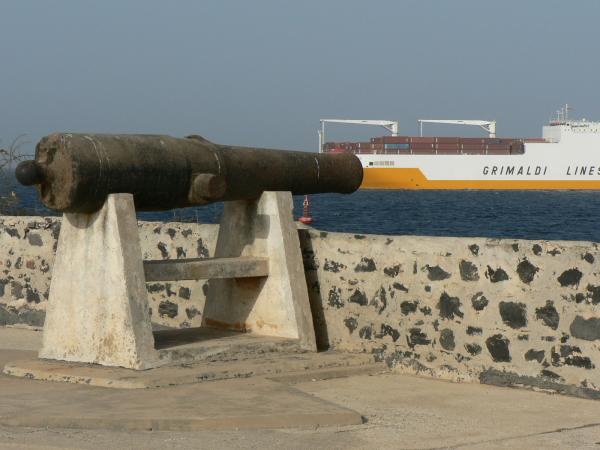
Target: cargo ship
x,y
567,156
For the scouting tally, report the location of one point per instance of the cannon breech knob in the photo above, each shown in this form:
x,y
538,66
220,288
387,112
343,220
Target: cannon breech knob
x,y
29,173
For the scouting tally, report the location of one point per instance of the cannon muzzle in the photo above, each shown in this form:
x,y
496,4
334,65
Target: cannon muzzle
x,y
76,172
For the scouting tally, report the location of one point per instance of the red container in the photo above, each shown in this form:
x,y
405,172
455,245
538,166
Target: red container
x,y
454,151
377,140
517,148
395,139
423,151
422,140
534,140
498,147
499,152
421,146
447,140
447,146
473,152
472,141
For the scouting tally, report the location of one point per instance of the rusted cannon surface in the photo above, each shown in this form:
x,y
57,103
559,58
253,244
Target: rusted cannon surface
x,y
76,172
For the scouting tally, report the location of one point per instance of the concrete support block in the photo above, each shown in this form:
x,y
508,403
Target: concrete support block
x,y
277,305
98,306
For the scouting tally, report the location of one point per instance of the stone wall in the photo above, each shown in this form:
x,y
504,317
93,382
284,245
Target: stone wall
x,y
496,311
512,312
27,246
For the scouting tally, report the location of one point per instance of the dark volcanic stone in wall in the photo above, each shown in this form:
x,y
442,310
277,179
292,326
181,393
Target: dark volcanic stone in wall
x,y
536,249
449,307
351,323
479,301
526,271
570,277
474,248
163,250
515,247
513,314
498,346
408,307
366,332
359,297
34,239
473,349
191,312
588,257
548,314
392,271
379,300
185,293
201,249
436,273
334,298
32,295
387,330
594,294
155,287
468,271
570,355
365,265
426,310
588,329
497,275
167,308
472,331
417,337
333,266
534,355
7,316
447,339
400,287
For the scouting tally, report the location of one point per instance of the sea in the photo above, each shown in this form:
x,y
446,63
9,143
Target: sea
x,y
556,215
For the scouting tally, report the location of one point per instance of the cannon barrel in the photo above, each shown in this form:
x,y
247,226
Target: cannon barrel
x,y
76,172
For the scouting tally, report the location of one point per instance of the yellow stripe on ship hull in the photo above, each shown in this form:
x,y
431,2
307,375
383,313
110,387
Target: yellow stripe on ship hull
x,y
386,178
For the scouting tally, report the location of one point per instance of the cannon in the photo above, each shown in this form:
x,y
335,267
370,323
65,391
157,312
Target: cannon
x,y
75,173
98,309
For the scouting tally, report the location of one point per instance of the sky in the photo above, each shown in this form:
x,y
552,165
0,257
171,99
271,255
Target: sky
x,y
262,73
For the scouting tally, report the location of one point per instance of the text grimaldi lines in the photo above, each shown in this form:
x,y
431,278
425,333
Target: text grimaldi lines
x,y
539,170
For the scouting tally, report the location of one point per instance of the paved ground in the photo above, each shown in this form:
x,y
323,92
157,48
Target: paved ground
x,y
400,412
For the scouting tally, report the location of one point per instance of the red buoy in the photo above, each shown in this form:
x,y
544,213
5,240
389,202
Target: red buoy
x,y
306,219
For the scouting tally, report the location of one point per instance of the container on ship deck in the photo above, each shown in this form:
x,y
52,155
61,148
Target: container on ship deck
x,y
395,146
498,151
517,148
498,147
422,145
447,140
499,141
395,139
535,140
422,140
377,140
449,151
447,146
362,145
472,141
472,149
